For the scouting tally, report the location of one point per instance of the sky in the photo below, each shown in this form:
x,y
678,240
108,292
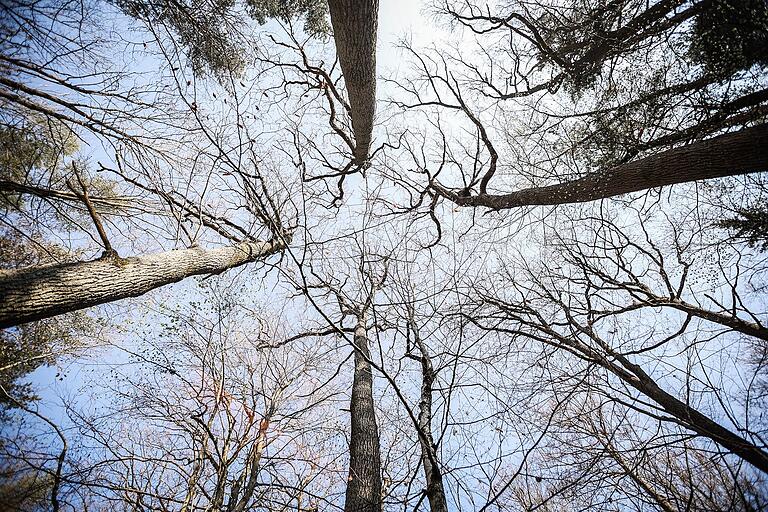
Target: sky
x,y
398,19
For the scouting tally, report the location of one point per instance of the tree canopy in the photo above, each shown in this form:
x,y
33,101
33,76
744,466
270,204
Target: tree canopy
x,y
362,256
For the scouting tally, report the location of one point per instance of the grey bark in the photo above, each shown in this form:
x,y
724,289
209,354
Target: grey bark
x,y
432,474
355,24
731,154
435,489
364,482
44,291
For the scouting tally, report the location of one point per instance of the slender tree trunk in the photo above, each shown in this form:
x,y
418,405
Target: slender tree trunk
x,y
364,483
355,24
120,203
432,474
632,472
731,154
252,469
44,291
634,376
688,416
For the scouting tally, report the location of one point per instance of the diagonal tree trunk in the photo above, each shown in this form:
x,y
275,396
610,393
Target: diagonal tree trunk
x,y
731,154
355,24
364,483
688,416
44,291
631,374
634,376
632,472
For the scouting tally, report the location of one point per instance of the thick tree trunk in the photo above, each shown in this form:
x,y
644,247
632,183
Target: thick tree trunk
x,y
355,24
364,483
730,154
44,291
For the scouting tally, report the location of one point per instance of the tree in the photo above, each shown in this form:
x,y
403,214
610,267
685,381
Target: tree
x,y
37,293
579,303
364,490
358,332
216,412
598,127
725,155
53,177
212,41
354,31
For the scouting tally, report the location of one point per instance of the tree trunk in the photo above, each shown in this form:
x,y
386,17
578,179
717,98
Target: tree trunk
x,y
688,416
251,469
632,472
730,154
634,376
364,483
44,291
355,24
432,474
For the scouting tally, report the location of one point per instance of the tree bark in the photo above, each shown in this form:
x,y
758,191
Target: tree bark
x,y
432,474
364,483
435,490
44,291
731,154
355,24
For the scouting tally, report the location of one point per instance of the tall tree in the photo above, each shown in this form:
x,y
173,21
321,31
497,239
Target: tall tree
x,y
610,128
41,292
354,31
364,483
213,410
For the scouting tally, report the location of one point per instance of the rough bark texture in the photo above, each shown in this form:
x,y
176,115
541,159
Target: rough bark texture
x,y
731,154
355,23
44,291
364,483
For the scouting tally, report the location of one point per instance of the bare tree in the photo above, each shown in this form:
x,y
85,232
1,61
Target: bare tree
x,y
560,113
220,421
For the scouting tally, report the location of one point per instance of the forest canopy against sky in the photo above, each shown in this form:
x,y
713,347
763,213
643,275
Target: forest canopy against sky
x,y
273,255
